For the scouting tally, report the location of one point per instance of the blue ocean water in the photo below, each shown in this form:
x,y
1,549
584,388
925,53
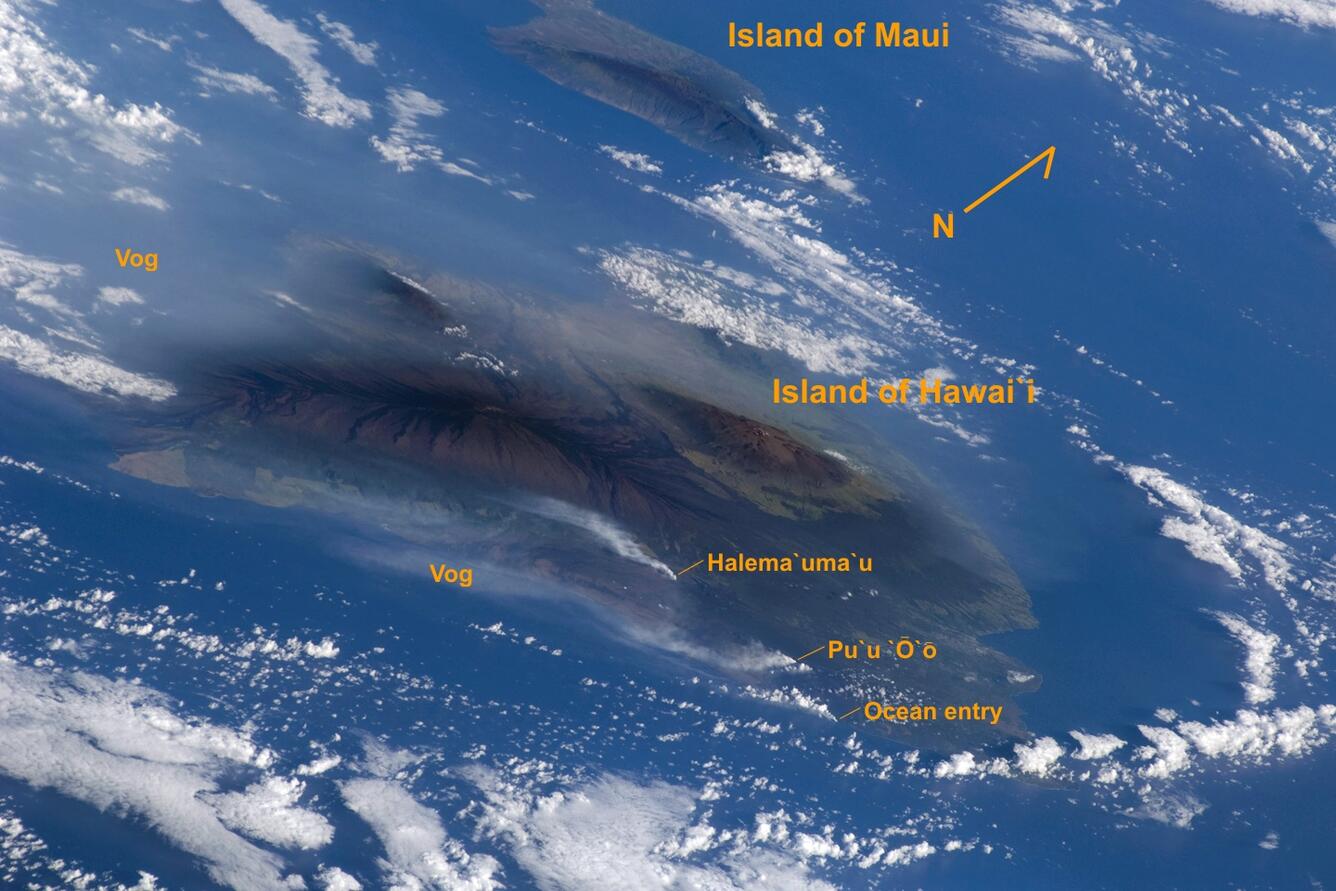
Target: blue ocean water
x,y
1204,281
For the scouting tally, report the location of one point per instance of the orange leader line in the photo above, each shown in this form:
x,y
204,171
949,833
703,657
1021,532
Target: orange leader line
x,y
1048,168
848,713
691,567
805,655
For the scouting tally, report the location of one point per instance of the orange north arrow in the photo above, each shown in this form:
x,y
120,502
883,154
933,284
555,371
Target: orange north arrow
x,y
1048,168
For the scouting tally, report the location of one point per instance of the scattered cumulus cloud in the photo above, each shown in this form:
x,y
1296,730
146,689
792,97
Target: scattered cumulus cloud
x,y
141,196
1038,757
1095,745
811,120
738,306
616,833
1034,33
406,146
33,279
1210,533
1260,657
808,165
804,164
334,879
120,747
269,811
632,160
418,852
1277,144
117,296
216,80
144,37
341,34
38,83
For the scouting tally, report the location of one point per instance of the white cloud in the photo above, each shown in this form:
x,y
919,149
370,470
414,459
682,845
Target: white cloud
x,y
1038,757
811,120
1310,134
232,82
615,833
89,373
285,299
1202,542
460,169
788,241
1249,736
769,287
1260,660
405,146
418,853
808,165
320,765
961,764
383,760
33,279
140,196
705,297
864,319
325,102
1168,753
268,811
114,296
1172,809
906,854
37,82
1041,33
632,160
334,879
326,649
791,697
144,37
762,114
1256,736
1243,551
341,34
1305,13
1165,85
1210,533
943,374
1276,143
118,746
1095,745
804,163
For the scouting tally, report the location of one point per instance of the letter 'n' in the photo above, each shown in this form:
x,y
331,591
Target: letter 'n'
x,y
947,226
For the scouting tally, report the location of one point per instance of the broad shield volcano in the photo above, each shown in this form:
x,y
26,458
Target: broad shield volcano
x,y
582,449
